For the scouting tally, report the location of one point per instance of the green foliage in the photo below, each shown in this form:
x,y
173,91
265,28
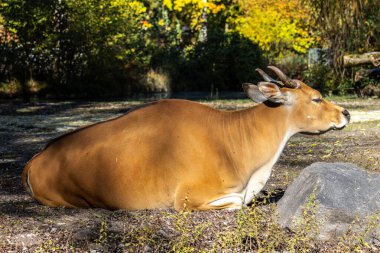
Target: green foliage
x,y
294,65
102,48
322,78
27,39
319,76
235,59
345,86
103,36
346,27
92,47
72,44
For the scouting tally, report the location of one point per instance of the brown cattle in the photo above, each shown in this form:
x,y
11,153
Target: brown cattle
x,y
173,153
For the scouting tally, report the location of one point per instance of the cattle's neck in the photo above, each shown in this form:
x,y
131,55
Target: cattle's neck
x,y
256,137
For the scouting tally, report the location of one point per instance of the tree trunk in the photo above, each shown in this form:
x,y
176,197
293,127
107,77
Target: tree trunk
x,y
360,59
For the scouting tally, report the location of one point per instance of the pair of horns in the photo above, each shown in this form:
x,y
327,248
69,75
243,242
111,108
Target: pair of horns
x,y
285,80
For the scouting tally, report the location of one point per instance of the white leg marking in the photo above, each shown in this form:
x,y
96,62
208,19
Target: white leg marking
x,y
28,184
235,199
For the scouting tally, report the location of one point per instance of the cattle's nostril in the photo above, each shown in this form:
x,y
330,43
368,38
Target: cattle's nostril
x,y
346,114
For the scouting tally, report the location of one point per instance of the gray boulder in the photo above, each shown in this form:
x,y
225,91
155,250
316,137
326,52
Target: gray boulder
x,y
343,192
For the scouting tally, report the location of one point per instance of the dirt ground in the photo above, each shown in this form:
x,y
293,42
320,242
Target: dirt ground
x,y
26,226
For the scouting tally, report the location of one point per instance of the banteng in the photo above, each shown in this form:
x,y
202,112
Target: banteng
x,y
173,153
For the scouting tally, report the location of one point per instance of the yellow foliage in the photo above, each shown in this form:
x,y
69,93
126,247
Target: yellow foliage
x,y
194,9
197,5
146,25
168,4
161,22
136,6
214,8
276,25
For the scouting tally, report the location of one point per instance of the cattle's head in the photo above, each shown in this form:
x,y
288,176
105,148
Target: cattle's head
x,y
309,112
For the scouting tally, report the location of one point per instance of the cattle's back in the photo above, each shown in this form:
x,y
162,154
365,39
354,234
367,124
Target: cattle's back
x,y
137,158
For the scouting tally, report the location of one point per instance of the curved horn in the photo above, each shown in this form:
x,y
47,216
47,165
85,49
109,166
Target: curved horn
x,y
284,78
267,78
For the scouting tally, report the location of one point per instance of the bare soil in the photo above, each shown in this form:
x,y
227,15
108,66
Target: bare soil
x,y
26,226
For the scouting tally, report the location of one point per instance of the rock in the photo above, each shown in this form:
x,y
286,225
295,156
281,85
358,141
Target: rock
x,y
343,193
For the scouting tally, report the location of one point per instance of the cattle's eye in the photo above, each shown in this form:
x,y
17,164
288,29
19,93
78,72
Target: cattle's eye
x,y
317,100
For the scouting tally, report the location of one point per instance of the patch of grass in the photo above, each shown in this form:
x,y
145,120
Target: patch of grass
x,y
354,241
143,239
364,126
344,98
48,246
228,104
148,234
188,234
306,229
257,230
103,233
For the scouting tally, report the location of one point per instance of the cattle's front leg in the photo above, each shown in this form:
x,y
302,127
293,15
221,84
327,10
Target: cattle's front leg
x,y
253,188
256,183
197,198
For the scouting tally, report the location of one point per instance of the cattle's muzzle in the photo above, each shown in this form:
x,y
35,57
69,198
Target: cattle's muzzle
x,y
347,115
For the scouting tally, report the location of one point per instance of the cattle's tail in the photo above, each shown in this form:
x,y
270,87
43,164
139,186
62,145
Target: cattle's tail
x,y
25,178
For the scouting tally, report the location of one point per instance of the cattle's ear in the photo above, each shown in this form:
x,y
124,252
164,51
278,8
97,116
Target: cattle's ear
x,y
254,93
264,91
272,92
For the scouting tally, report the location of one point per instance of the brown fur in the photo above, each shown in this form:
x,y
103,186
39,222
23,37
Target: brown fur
x,y
172,153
